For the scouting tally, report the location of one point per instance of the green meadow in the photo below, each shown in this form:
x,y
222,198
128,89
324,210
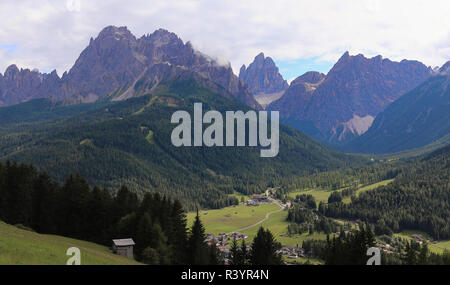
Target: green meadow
x,y
277,224
323,194
368,187
233,218
437,247
24,247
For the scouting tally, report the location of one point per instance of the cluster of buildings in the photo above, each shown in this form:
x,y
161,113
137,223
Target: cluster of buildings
x,y
223,240
257,199
292,252
418,237
385,247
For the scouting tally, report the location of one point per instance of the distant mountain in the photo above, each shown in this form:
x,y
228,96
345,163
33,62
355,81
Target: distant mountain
x,y
445,69
300,90
264,79
18,86
416,119
113,64
344,104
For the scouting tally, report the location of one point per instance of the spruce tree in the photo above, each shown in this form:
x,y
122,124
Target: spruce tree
x,y
264,249
178,233
235,253
422,258
197,250
244,254
410,257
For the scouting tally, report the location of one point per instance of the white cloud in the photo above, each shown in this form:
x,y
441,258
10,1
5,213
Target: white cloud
x,y
50,34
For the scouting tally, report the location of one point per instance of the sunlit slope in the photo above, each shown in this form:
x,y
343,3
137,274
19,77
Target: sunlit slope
x,y
24,247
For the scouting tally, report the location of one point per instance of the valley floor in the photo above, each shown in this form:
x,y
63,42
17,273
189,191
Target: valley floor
x,y
248,219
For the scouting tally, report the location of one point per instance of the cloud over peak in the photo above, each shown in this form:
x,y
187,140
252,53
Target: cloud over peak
x,y
49,34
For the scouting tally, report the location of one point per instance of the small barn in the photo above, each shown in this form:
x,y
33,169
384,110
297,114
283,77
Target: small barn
x,y
123,247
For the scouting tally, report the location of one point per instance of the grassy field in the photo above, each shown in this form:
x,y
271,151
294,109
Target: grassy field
x,y
368,187
239,196
437,247
322,195
277,224
235,218
302,260
318,194
23,247
232,218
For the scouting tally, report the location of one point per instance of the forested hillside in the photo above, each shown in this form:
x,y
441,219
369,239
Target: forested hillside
x,y
33,200
416,119
419,198
128,143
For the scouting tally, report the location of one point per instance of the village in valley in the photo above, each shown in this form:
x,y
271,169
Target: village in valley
x,y
223,240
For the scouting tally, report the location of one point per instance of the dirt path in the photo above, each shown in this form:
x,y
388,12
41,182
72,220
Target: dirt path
x,y
262,221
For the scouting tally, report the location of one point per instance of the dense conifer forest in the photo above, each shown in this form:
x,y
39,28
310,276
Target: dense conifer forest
x,y
419,198
128,143
158,225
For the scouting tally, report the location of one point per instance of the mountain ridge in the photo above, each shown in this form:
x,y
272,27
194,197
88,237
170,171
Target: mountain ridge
x,y
113,61
356,87
264,79
416,119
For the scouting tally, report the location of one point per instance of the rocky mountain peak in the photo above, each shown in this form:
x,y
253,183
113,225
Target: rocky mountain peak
x,y
163,37
344,57
445,68
259,58
11,71
353,92
116,32
312,77
262,76
115,61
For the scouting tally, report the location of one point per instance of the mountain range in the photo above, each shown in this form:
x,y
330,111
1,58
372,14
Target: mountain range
x,y
348,108
113,64
343,103
418,118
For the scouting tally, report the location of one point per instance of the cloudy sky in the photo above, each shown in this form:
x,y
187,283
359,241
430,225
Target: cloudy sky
x,y
298,35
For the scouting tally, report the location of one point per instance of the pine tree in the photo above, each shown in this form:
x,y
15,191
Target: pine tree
x,y
214,255
144,235
423,254
235,253
44,204
178,233
125,202
264,248
243,254
197,251
72,208
410,257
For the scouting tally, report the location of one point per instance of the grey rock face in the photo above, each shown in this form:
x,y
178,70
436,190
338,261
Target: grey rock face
x,y
113,62
355,88
262,76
